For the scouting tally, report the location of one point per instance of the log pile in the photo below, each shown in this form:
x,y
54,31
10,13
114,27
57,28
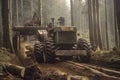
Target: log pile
x,y
32,72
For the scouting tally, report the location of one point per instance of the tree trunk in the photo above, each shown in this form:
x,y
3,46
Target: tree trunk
x,y
90,22
93,12
106,28
98,27
7,41
40,11
117,13
0,26
71,5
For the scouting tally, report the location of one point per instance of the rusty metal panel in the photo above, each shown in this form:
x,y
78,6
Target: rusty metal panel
x,y
65,28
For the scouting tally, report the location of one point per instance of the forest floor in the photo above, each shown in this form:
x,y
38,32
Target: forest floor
x,y
110,59
60,70
6,57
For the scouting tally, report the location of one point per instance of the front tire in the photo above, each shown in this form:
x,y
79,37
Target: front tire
x,y
49,50
38,52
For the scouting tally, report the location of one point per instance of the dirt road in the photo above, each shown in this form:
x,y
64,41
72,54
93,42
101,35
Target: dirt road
x,y
80,71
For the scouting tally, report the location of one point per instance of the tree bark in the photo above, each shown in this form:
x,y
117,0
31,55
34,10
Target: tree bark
x,y
7,41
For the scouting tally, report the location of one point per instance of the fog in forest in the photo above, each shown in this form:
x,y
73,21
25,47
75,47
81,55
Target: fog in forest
x,y
95,20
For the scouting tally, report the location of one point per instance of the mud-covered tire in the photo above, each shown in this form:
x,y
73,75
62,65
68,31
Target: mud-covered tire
x,y
49,50
38,52
82,44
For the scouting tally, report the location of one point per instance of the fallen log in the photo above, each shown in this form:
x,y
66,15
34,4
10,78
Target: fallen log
x,y
31,72
97,73
109,71
15,70
26,73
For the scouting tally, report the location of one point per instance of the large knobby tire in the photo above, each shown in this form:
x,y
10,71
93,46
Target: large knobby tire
x,y
82,44
49,50
38,52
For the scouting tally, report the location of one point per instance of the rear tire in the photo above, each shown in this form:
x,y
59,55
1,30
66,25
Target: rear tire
x,y
84,45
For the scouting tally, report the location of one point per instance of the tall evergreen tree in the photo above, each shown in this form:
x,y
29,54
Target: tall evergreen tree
x,y
7,40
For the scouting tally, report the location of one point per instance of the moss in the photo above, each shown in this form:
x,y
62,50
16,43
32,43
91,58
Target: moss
x,y
107,56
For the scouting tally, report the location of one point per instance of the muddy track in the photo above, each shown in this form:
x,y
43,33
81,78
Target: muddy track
x,y
91,71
